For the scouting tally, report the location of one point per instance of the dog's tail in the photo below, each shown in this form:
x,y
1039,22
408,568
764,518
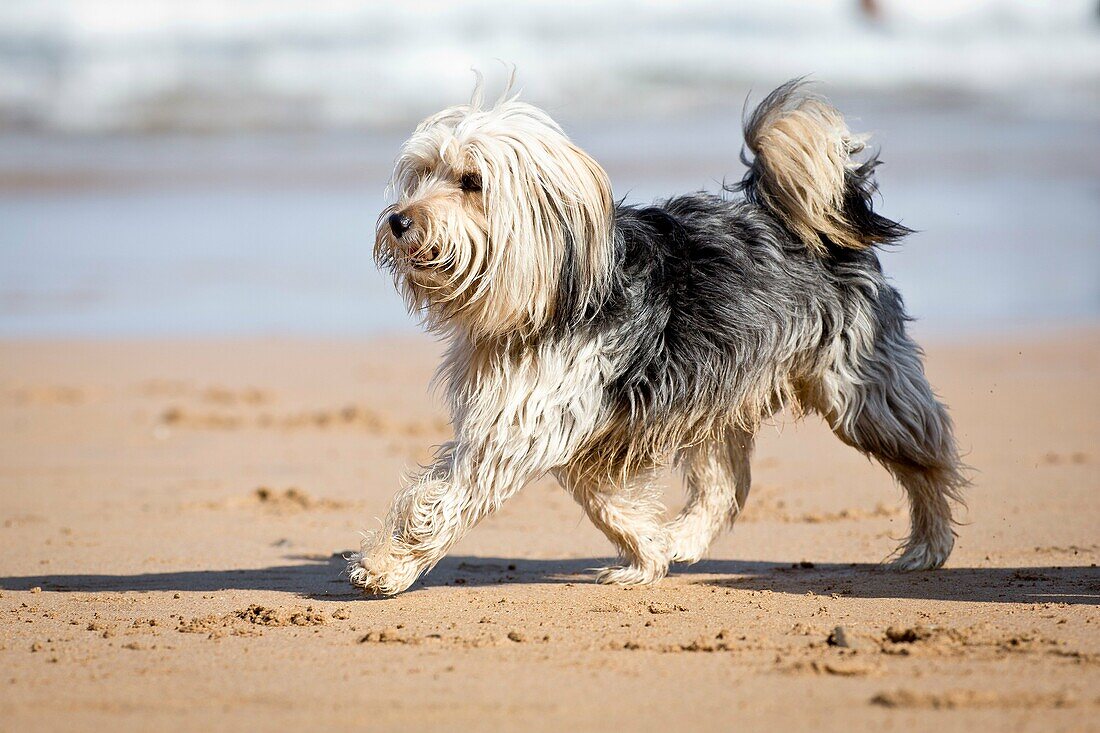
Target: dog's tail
x,y
802,171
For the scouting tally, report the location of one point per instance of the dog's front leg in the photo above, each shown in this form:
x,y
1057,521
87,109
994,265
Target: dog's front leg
x,y
429,516
516,418
426,519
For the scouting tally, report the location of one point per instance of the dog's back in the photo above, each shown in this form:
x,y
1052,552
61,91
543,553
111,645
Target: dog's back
x,y
737,302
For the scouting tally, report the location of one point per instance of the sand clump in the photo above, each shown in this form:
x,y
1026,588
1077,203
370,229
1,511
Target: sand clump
x,y
289,500
356,417
972,640
292,499
970,699
250,621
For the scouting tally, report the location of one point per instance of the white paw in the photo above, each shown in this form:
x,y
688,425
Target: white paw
x,y
631,574
377,571
924,555
688,539
686,548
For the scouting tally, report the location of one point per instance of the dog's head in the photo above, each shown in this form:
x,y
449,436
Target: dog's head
x,y
501,223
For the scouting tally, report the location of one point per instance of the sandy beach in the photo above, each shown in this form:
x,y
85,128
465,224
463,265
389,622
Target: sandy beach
x,y
174,513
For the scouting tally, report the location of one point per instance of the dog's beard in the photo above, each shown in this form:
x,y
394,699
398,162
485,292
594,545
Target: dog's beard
x,y
493,273
441,264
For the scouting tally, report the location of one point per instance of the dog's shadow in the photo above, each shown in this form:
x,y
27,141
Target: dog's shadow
x,y
311,577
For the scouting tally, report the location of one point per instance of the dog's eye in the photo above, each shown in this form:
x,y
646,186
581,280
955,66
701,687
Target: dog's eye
x,y
470,182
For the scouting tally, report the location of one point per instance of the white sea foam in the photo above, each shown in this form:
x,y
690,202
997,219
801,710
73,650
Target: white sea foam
x,y
231,64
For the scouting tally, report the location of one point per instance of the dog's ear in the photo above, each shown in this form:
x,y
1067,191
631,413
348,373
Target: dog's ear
x,y
586,210
549,212
571,211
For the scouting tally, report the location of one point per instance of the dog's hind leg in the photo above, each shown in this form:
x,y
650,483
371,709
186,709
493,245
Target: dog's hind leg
x,y
629,513
717,479
881,403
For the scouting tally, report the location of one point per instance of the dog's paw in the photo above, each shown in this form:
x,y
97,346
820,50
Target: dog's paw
x,y
381,574
923,555
685,546
689,537
631,574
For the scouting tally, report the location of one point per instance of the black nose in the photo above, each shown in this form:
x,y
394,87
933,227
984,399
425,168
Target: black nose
x,y
399,224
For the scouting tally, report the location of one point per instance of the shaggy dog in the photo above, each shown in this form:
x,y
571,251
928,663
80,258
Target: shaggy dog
x,y
599,342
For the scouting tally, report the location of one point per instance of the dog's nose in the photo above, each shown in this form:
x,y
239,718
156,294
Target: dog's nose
x,y
399,224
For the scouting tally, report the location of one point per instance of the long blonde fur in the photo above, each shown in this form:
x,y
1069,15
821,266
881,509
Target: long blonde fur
x,y
804,150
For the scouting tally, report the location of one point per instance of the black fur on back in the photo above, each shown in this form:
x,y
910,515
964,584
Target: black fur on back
x,y
714,303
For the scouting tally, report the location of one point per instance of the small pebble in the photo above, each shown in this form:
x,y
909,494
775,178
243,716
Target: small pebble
x,y
839,637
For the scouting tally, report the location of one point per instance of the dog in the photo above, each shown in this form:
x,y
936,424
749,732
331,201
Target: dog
x,y
599,342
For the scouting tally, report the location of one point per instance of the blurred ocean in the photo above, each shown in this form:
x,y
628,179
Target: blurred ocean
x,y
202,167
155,65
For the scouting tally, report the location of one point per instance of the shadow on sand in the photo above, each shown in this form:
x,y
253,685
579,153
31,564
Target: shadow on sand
x,y
322,578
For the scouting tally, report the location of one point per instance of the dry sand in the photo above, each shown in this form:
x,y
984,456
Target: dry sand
x,y
172,516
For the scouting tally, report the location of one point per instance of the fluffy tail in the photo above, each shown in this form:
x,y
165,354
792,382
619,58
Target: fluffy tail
x,y
802,171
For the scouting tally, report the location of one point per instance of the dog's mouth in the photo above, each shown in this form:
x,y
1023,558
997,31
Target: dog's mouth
x,y
420,257
414,255
407,252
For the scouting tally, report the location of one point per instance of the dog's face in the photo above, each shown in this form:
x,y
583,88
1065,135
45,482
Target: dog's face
x,y
500,221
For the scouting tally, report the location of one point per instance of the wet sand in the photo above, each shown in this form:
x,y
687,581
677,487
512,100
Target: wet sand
x,y
172,515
